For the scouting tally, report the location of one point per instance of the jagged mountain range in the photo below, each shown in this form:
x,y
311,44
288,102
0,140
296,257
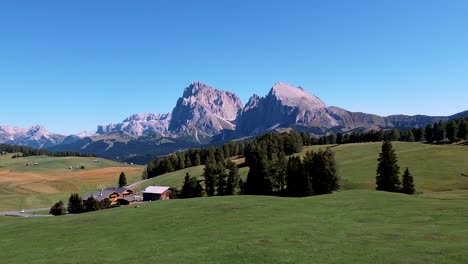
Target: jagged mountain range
x,y
204,114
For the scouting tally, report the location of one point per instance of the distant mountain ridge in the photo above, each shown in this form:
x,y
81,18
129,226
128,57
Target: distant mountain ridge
x,y
34,136
204,113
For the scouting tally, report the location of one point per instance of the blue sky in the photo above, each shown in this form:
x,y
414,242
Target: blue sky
x,y
71,65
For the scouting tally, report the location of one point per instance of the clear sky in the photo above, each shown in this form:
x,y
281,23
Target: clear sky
x,y
71,65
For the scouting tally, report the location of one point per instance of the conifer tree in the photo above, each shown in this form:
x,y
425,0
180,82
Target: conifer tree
x,y
122,180
294,176
191,187
408,183
387,169
57,209
233,178
462,130
75,204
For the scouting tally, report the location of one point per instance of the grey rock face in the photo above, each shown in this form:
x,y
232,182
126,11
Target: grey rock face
x,y
204,110
285,105
140,124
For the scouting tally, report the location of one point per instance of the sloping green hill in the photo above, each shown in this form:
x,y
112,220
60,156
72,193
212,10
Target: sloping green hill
x,y
437,169
346,227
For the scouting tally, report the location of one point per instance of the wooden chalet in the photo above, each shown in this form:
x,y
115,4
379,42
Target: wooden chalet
x,y
153,193
117,196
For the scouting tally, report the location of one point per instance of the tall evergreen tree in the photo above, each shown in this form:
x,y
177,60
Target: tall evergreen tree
x,y
408,183
429,133
295,177
75,204
197,161
191,187
308,173
122,180
452,130
213,172
387,169
325,178
233,178
439,131
258,179
462,130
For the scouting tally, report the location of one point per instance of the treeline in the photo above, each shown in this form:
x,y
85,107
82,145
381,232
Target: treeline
x,y
452,131
28,151
194,157
441,131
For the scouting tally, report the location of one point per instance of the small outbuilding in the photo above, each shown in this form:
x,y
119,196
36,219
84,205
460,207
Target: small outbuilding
x,y
153,193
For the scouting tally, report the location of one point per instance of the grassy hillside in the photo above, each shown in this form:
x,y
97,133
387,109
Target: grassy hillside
x,y
359,226
176,178
437,169
41,185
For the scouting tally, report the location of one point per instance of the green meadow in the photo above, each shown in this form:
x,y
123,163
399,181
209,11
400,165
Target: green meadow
x,y
355,225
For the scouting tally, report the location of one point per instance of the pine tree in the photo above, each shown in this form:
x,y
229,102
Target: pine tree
x,y
57,209
327,173
307,175
452,130
294,177
462,130
213,172
408,183
122,180
197,160
233,178
191,187
75,204
387,169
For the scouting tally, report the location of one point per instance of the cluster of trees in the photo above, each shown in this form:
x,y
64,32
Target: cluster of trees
x,y
221,177
28,151
271,173
387,178
76,205
453,130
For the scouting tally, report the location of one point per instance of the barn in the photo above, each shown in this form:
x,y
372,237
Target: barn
x,y
153,193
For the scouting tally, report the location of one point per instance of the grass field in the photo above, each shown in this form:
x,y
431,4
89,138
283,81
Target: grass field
x,y
35,186
357,226
437,169
354,225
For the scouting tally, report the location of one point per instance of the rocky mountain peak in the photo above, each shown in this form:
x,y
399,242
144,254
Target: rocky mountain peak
x,y
139,124
295,96
204,109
